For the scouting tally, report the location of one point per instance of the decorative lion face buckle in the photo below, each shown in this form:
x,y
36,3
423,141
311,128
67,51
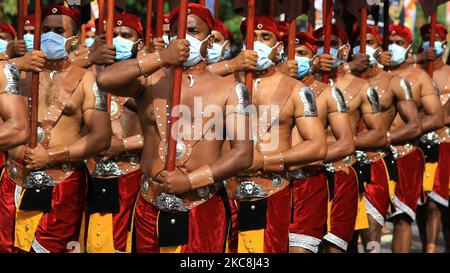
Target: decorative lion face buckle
x,y
107,168
249,189
170,203
38,179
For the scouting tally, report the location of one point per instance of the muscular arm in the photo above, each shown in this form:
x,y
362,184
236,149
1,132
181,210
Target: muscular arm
x,y
431,105
241,153
375,135
313,147
223,68
14,130
446,109
409,113
341,128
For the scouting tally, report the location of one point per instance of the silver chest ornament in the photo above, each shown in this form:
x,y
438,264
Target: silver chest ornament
x,y
180,149
40,134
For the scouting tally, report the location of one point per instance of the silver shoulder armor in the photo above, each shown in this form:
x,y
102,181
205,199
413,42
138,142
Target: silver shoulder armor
x,y
436,88
407,89
243,98
12,75
309,102
339,98
101,101
373,99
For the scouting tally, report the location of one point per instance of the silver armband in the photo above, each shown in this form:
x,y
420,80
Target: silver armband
x,y
12,74
243,98
309,102
101,102
372,95
339,98
407,89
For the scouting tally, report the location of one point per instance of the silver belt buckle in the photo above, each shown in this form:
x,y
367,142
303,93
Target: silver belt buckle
x,y
329,167
170,203
107,168
133,159
362,158
38,179
248,190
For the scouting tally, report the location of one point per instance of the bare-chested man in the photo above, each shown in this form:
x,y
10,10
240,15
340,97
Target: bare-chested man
x,y
262,195
181,211
115,173
362,104
436,147
310,192
394,94
409,159
44,188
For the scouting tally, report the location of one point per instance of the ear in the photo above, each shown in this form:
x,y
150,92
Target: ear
x,y
210,41
140,45
444,45
75,40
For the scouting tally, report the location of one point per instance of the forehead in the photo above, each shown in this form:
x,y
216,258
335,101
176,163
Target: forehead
x,y
57,20
396,37
124,29
217,34
265,32
303,48
333,37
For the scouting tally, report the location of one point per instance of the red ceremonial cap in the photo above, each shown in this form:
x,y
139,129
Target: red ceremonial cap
x,y
73,13
166,18
370,30
335,30
263,22
28,20
401,31
195,9
306,39
90,27
8,29
220,27
440,30
128,20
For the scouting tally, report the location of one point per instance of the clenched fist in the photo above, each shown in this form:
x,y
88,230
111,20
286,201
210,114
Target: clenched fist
x,y
246,60
383,57
32,61
176,53
16,48
175,182
289,68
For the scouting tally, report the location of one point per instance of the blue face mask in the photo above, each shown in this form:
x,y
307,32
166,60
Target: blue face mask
x,y
195,56
215,53
227,54
437,45
398,54
124,48
89,41
54,45
263,52
369,51
333,52
3,45
303,66
29,41
165,37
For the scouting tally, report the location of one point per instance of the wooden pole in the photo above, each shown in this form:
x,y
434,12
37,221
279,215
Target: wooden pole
x,y
83,34
272,8
386,25
327,11
159,18
291,39
20,15
35,76
148,23
249,42
101,17
216,9
176,89
110,35
363,33
430,66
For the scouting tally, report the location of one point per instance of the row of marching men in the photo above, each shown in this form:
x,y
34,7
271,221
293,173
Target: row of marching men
x,y
319,168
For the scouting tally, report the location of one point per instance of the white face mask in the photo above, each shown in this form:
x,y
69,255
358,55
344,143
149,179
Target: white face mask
x,y
398,54
369,51
54,45
263,52
194,50
3,45
217,52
